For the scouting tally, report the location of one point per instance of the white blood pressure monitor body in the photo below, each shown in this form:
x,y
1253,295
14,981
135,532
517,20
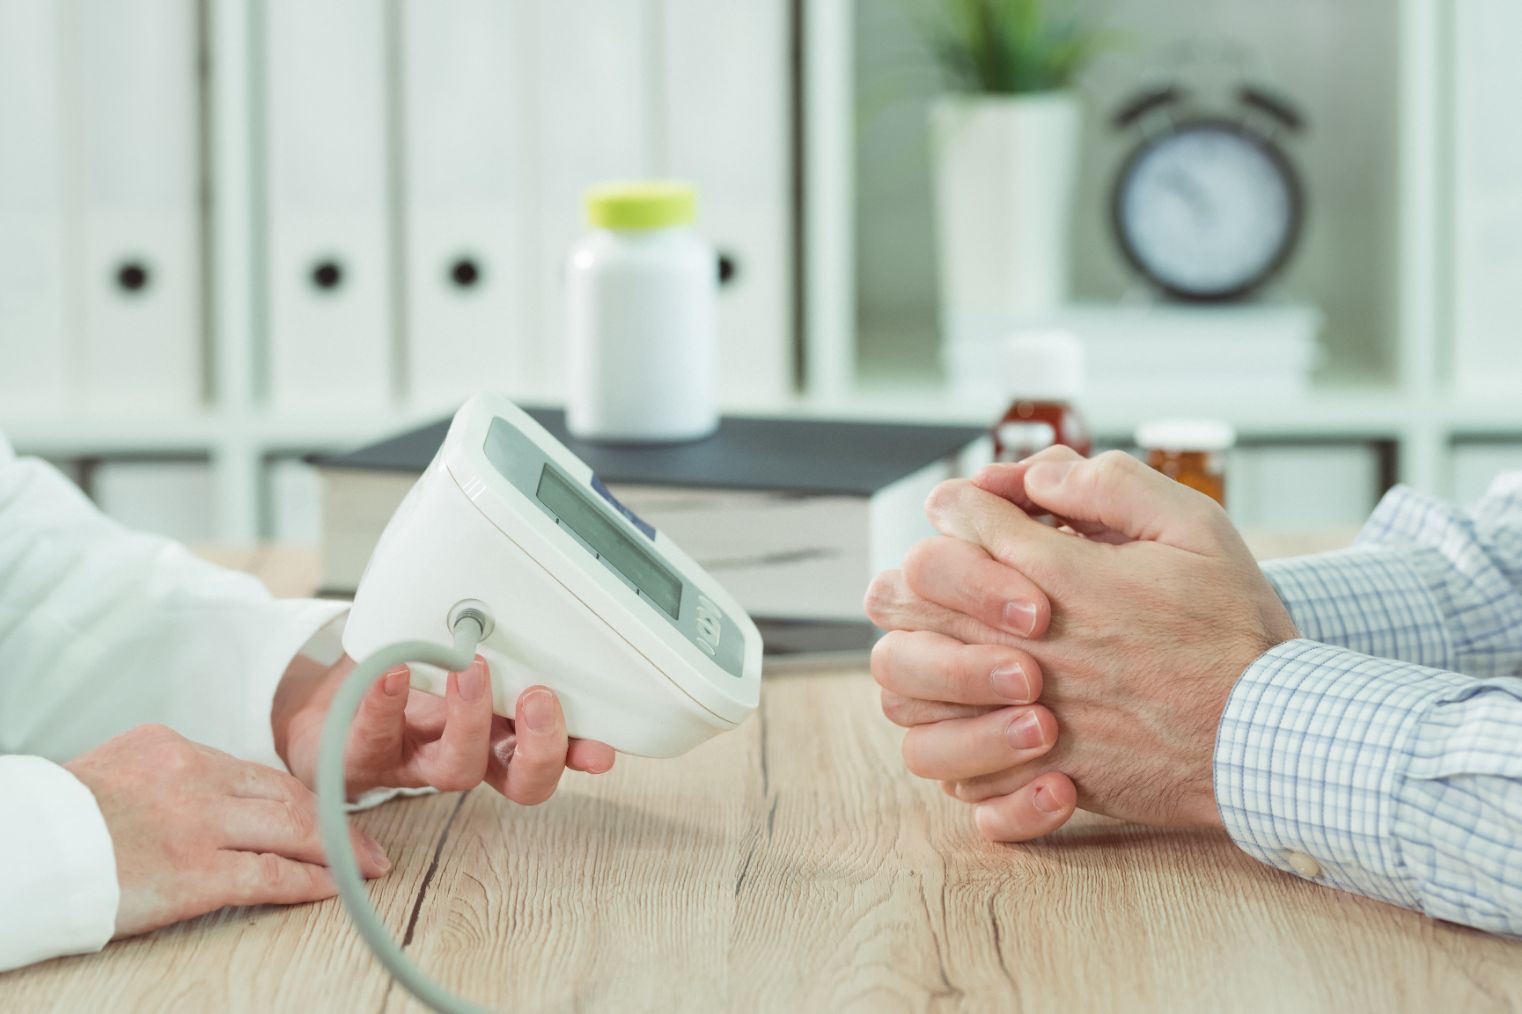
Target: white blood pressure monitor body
x,y
646,652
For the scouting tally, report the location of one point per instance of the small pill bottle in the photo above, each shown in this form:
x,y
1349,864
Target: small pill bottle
x,y
1193,451
641,318
1044,373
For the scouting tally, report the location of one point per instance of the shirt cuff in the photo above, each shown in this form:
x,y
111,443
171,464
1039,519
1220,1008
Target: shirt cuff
x,y
1372,601
58,887
295,624
1309,761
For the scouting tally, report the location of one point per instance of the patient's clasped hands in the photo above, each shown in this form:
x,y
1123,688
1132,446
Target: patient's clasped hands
x,y
1129,625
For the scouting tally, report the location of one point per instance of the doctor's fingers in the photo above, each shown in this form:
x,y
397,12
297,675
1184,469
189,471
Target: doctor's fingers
x,y
965,579
264,878
893,605
590,756
460,757
379,729
288,828
925,665
967,747
529,770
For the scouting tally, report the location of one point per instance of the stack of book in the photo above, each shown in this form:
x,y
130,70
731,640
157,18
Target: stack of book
x,y
793,516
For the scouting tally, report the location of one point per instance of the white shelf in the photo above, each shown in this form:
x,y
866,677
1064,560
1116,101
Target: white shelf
x,y
851,375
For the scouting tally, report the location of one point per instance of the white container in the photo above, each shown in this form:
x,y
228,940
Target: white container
x,y
641,313
1005,174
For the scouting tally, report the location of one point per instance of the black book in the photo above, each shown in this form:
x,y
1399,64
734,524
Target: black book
x,y
794,516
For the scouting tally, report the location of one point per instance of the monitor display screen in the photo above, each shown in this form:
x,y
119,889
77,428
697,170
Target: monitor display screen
x,y
588,518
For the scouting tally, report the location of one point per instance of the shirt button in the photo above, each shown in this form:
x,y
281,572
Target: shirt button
x,y
1303,864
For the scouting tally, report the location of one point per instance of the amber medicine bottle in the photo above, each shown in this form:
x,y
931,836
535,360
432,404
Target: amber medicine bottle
x,y
1045,377
1193,451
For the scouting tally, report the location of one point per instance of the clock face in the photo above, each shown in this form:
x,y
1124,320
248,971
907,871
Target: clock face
x,y
1207,211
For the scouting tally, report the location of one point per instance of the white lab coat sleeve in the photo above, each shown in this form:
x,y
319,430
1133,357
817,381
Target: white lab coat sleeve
x,y
101,630
58,889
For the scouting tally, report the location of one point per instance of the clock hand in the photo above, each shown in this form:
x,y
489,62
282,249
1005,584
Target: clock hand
x,y
1190,191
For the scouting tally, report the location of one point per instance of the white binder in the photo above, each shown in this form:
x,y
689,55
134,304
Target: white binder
x,y
33,324
593,72
464,225
328,279
726,113
1487,198
135,78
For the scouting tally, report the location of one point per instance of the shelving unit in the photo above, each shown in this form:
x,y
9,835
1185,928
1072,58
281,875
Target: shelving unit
x,y
1404,406
1381,158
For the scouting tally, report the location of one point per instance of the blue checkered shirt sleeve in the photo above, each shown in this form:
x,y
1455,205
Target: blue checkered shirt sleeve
x,y
1382,752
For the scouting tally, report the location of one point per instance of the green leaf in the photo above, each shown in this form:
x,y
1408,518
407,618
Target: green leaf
x,y
1012,47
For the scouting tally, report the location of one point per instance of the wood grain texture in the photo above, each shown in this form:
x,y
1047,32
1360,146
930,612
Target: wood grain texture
x,y
793,865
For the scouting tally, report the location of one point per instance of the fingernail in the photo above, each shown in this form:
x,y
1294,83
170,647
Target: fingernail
x,y
1020,617
1011,683
377,854
538,711
473,682
1024,733
1045,800
1048,473
395,681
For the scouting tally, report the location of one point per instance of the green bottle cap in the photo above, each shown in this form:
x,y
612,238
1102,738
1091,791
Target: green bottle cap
x,y
644,204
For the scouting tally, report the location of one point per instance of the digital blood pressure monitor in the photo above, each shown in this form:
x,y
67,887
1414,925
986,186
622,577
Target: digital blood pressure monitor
x,y
646,652
510,546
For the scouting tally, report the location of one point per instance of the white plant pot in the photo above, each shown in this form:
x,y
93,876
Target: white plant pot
x,y
1005,171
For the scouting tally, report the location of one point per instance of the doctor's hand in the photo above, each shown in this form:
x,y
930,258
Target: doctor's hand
x,y
194,830
410,739
1146,610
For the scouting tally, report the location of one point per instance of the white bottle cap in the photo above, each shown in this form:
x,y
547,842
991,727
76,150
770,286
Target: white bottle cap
x,y
1186,435
1044,366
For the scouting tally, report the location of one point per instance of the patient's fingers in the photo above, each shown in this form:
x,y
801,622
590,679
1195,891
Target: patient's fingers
x,y
1007,479
933,667
907,712
1037,809
1041,553
997,783
964,578
968,747
893,606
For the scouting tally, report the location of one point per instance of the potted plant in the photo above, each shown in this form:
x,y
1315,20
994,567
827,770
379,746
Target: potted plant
x,y
1005,150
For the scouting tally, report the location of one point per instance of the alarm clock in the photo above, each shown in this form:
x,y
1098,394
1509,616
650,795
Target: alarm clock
x,y
1208,208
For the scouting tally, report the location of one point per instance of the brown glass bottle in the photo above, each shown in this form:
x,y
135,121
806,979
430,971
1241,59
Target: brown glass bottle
x,y
1045,378
1192,451
1067,428
1201,470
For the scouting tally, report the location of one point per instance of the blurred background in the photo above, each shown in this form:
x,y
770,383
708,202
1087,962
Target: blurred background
x,y
235,233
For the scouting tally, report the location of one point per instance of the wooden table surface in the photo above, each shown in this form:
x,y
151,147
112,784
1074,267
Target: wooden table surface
x,y
792,865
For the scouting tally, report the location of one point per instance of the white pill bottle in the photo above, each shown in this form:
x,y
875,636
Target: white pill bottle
x,y
641,318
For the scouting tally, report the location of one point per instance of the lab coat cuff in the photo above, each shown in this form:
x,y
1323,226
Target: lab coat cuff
x,y
298,623
58,888
1309,761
